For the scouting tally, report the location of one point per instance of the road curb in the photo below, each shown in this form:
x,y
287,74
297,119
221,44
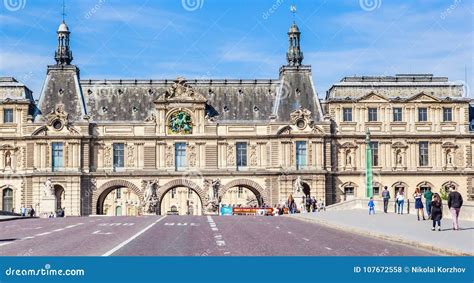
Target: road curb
x,y
429,247
16,218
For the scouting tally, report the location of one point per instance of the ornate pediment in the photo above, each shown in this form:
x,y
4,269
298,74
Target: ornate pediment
x,y
58,121
301,113
180,90
449,145
422,97
399,145
372,97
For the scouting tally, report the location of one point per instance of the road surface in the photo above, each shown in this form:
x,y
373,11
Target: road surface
x,y
186,236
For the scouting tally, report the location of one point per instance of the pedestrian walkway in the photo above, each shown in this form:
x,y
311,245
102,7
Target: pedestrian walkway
x,y
400,228
9,217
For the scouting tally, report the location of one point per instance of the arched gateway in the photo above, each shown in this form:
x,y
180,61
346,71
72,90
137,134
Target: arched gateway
x,y
254,187
162,190
99,196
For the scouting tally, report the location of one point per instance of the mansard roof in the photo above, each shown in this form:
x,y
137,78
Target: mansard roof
x,y
399,87
227,100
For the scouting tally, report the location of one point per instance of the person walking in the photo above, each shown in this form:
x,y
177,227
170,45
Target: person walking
x,y
385,197
428,198
32,211
400,201
436,211
23,211
418,204
371,206
454,204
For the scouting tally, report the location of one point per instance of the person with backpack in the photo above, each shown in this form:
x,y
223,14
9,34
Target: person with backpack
x,y
428,198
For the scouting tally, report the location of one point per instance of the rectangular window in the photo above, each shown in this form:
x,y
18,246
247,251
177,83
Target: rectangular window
x,y
7,115
397,115
118,193
347,114
240,192
447,114
349,191
372,114
57,158
173,192
190,193
375,153
241,152
119,155
422,114
423,153
180,155
300,155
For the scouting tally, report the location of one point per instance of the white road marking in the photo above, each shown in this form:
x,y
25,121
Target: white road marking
x,y
27,238
307,240
220,243
4,244
42,234
214,229
169,224
218,236
278,227
101,233
289,232
226,252
57,230
328,248
194,224
132,238
181,224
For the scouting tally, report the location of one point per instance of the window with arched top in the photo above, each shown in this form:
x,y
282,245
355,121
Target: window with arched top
x,y
7,199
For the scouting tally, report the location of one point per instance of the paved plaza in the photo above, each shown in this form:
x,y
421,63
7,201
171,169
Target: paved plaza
x,y
187,236
400,228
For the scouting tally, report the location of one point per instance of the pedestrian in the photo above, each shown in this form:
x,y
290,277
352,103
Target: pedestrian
x,y
400,200
314,204
32,212
436,211
418,204
23,211
385,197
321,205
454,204
371,206
428,198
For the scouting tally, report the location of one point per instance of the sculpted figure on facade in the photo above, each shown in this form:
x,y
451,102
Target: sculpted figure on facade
x,y
107,155
298,186
8,159
131,155
230,155
253,155
48,188
192,155
169,155
150,198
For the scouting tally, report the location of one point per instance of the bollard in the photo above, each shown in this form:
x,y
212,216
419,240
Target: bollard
x,y
395,206
408,206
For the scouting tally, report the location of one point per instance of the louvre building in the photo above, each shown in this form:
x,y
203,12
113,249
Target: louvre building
x,y
129,147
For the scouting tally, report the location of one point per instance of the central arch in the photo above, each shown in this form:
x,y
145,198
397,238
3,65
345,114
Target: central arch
x,y
162,190
100,195
253,186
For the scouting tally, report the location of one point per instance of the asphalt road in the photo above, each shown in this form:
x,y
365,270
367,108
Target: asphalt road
x,y
187,236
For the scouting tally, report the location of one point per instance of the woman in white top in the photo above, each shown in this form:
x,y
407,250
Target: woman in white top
x,y
400,200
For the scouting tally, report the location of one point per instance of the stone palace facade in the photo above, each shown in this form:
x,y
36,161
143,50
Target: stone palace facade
x,y
180,146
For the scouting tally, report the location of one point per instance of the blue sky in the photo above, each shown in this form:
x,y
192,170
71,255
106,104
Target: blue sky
x,y
147,39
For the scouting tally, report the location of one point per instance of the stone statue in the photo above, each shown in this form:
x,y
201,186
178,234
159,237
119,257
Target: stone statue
x,y
399,157
8,160
348,158
212,203
150,198
449,157
298,186
48,188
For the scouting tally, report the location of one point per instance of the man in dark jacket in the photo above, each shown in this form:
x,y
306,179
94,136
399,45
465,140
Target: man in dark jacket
x,y
386,197
454,204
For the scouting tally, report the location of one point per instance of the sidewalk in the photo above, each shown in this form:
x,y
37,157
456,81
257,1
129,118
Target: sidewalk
x,y
13,217
400,228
